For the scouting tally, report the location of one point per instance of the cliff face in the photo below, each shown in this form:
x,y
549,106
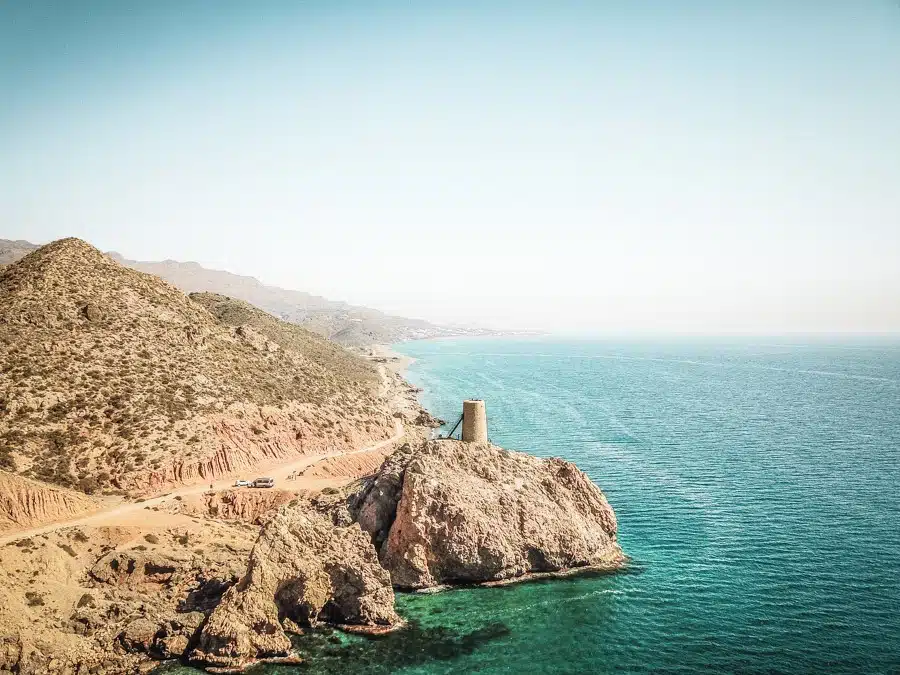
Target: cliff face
x,y
25,503
245,436
303,570
451,512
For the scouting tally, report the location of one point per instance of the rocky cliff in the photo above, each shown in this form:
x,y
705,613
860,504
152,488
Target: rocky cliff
x,y
452,512
248,506
108,599
304,569
439,512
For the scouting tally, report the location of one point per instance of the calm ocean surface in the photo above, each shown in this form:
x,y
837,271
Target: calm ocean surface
x,y
756,486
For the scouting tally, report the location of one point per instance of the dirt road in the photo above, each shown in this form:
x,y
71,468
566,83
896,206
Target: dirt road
x,y
135,512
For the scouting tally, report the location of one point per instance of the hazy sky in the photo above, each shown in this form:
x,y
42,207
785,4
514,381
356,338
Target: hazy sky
x,y
679,165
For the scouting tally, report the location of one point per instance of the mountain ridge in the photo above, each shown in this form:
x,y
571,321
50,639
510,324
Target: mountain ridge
x,y
347,324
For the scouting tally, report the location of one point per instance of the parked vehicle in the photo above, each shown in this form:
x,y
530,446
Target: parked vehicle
x,y
264,483
242,483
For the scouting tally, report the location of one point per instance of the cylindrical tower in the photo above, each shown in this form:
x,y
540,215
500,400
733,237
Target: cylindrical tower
x,y
474,422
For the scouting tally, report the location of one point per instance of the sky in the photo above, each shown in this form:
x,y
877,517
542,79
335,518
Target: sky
x,y
671,166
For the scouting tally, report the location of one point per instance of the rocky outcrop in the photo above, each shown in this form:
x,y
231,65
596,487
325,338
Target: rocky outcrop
x,y
133,568
27,503
34,656
255,339
349,466
451,512
304,569
104,600
249,506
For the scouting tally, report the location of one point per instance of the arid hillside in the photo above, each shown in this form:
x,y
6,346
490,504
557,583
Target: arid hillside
x,y
244,316
339,321
114,380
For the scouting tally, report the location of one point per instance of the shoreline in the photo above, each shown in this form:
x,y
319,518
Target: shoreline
x,y
392,360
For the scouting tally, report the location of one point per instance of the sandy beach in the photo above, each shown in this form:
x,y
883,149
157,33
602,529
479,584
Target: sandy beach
x,y
393,360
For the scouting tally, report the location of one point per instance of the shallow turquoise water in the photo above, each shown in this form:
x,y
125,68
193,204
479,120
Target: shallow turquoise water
x,y
756,486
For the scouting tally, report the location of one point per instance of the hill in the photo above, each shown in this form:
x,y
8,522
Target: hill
x,y
244,317
344,323
341,322
114,380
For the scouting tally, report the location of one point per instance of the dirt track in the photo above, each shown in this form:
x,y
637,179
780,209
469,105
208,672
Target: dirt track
x,y
136,512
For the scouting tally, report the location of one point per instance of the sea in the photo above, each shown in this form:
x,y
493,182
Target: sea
x,y
757,488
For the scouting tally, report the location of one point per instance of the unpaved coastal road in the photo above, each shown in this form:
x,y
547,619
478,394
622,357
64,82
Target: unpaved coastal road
x,y
131,513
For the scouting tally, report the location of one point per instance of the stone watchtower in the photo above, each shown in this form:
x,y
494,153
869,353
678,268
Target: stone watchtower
x,y
474,429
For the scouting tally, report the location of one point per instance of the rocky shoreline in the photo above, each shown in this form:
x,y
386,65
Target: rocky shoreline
x,y
227,591
435,515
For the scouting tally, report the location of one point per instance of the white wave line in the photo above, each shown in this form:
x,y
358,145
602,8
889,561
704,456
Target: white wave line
x,y
560,601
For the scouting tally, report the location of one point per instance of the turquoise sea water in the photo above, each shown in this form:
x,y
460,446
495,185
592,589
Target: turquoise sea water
x,y
756,486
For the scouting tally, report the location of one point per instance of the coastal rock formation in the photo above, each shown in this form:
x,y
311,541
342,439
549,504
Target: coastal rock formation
x,y
451,512
105,600
304,569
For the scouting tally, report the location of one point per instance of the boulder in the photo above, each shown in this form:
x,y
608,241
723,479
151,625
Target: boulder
x,y
255,339
304,568
139,635
452,512
133,568
92,313
176,634
171,646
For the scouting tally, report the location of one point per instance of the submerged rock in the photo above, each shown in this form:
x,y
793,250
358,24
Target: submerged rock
x,y
452,512
304,569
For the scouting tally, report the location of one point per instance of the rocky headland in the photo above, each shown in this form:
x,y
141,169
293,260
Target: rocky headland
x,y
435,514
122,400
304,569
449,512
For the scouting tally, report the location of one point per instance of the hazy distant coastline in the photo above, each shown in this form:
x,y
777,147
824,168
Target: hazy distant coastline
x,y
346,324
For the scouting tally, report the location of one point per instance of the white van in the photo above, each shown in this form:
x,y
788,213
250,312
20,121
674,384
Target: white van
x,y
264,482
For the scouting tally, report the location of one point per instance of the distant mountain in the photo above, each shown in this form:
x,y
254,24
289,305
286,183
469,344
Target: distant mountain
x,y
10,250
344,323
347,324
